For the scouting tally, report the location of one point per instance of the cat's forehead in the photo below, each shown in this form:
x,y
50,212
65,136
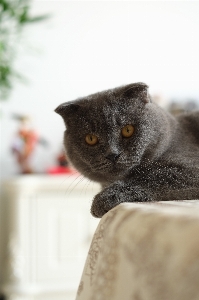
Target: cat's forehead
x,y
108,106
98,99
103,107
107,102
104,112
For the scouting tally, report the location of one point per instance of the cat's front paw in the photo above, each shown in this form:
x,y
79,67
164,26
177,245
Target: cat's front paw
x,y
97,207
118,193
104,201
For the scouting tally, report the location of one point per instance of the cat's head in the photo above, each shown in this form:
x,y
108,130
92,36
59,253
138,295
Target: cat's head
x,y
108,133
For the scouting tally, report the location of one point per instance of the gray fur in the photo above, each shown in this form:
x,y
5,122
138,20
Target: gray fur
x,y
160,161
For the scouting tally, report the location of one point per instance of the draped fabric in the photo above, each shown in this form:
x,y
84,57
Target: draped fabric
x,y
144,251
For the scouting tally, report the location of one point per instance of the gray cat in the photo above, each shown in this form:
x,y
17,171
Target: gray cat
x,y
132,147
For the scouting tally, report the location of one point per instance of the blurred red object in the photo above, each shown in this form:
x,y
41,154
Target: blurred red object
x,y
61,170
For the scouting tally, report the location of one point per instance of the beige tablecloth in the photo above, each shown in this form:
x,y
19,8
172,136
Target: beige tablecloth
x,y
144,252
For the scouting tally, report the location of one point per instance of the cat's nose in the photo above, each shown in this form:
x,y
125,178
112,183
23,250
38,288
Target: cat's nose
x,y
113,156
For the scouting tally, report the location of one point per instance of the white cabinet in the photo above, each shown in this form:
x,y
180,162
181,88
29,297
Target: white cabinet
x,y
46,229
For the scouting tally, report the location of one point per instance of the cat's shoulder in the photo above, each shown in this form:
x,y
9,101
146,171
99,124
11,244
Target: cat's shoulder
x,y
189,122
192,116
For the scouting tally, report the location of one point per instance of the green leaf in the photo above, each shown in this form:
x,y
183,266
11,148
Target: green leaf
x,y
14,16
38,18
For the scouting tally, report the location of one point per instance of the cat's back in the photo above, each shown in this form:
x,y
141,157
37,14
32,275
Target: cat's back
x,y
189,125
184,146
189,117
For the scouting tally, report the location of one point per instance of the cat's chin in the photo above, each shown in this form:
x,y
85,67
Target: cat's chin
x,y
109,175
109,172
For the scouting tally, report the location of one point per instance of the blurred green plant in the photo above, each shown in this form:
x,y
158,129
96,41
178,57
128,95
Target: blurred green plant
x,y
14,17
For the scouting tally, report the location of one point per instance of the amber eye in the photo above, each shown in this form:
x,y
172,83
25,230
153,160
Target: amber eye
x,y
127,131
91,139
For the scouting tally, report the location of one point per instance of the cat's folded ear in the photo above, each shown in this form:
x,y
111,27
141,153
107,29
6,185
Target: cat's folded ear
x,y
138,90
67,109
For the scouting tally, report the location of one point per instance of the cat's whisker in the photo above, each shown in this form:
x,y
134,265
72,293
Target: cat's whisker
x,y
68,189
79,177
84,185
92,187
89,181
69,176
102,164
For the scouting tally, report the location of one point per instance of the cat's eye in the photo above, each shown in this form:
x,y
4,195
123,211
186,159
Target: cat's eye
x,y
127,131
91,139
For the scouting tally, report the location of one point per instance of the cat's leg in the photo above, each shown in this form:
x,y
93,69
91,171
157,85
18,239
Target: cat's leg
x,y
117,193
120,192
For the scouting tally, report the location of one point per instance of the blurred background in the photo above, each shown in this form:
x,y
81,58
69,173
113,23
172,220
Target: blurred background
x,y
65,50
84,47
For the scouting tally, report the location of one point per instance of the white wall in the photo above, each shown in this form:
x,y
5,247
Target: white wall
x,y
88,46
